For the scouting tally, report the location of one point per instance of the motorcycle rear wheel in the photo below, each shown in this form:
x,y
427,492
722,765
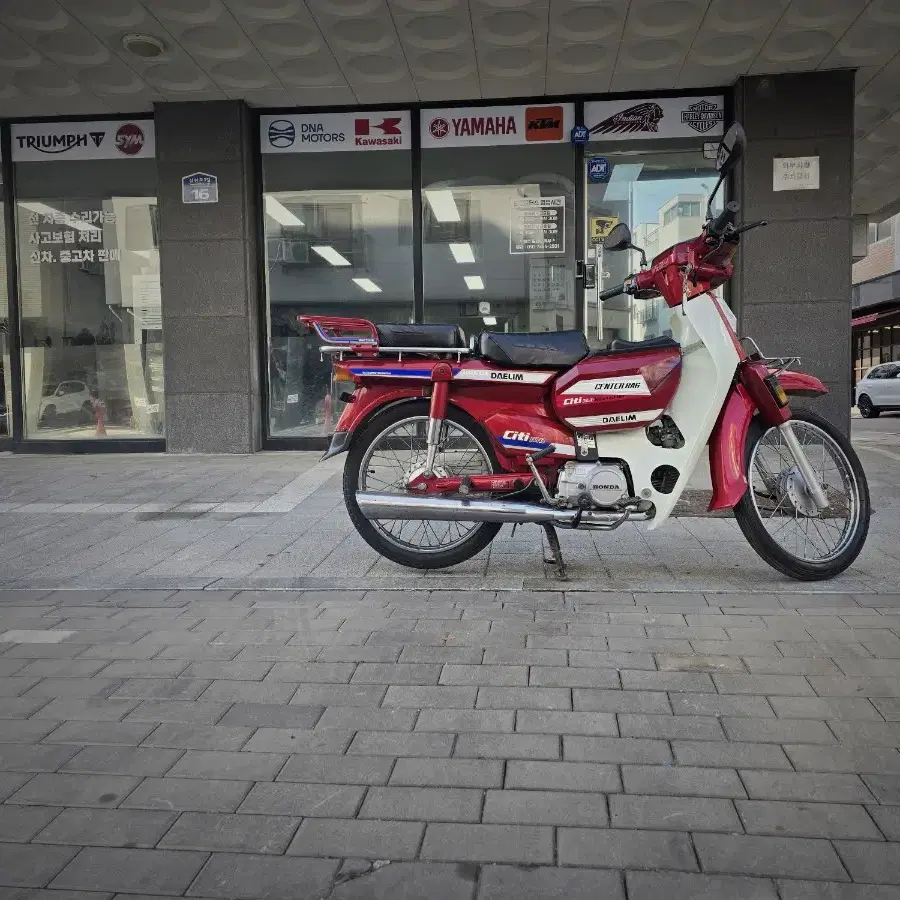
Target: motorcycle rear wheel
x,y
399,433
779,518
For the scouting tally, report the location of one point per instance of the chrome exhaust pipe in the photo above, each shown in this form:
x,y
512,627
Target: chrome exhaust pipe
x,y
452,509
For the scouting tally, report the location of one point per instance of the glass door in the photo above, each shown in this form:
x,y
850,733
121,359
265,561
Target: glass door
x,y
662,196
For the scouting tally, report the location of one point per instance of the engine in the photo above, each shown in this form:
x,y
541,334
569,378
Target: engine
x,y
588,485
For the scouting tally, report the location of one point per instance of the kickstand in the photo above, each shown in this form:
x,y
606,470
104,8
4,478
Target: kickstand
x,y
555,557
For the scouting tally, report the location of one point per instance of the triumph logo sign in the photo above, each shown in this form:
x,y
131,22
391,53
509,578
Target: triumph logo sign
x,y
39,141
644,117
703,116
59,143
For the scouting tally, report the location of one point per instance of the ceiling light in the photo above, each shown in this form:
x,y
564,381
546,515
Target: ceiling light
x,y
443,205
329,254
146,46
367,285
474,282
462,253
276,210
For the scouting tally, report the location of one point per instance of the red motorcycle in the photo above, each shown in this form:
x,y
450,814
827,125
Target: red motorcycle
x,y
446,442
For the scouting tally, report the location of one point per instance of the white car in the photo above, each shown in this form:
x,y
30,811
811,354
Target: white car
x,y
70,399
879,390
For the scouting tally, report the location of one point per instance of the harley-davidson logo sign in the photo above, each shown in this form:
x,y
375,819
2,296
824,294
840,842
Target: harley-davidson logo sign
x,y
643,117
703,116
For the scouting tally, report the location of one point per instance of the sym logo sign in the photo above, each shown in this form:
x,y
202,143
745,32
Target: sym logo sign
x,y
662,117
490,126
328,132
33,142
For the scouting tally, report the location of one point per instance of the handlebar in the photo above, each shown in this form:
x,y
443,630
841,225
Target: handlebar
x,y
609,293
716,228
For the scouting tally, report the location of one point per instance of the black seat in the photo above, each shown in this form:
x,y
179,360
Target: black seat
x,y
557,349
618,345
435,337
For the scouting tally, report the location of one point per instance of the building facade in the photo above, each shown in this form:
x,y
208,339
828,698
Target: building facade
x,y
155,266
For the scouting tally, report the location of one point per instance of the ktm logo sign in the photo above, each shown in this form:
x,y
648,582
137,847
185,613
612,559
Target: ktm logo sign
x,y
544,123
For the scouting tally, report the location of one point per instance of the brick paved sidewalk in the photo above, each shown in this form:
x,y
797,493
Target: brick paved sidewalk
x,y
446,744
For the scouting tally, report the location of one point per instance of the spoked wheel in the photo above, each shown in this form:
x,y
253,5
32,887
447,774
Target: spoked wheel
x,y
390,451
778,515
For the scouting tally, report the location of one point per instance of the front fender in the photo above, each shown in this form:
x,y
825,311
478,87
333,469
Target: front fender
x,y
729,437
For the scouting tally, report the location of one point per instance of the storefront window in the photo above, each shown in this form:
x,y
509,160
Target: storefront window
x,y
5,377
91,326
498,215
338,241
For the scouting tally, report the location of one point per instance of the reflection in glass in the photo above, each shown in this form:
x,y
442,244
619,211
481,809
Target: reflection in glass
x,y
343,248
90,317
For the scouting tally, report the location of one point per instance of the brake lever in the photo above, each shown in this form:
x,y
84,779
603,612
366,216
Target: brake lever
x,y
749,227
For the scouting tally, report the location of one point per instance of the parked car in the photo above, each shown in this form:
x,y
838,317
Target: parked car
x,y
879,390
71,400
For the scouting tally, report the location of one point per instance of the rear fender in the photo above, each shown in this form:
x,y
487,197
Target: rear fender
x,y
729,437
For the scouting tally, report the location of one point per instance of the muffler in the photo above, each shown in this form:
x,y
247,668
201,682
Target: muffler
x,y
452,509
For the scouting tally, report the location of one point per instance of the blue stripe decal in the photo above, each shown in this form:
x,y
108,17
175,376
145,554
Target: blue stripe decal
x,y
391,373
524,445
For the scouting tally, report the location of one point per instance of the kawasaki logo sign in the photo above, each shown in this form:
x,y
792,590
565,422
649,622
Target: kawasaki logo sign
x,y
34,142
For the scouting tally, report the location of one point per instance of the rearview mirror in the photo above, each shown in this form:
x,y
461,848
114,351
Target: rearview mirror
x,y
618,239
731,149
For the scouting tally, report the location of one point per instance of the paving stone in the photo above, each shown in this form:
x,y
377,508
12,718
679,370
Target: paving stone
x,y
299,740
815,820
461,655
488,843
511,656
789,685
730,754
562,776
546,808
569,677
524,698
796,665
188,794
809,786
229,671
672,813
844,708
888,820
401,743
107,828
317,768
161,689
27,731
239,766
539,883
670,727
111,760
871,734
642,702
10,782
604,659
75,790
688,704
615,750
186,712
142,668
466,720
829,890
777,731
667,681
35,758
398,673
249,692
126,734
31,865
342,695
313,673
675,886
885,788
222,832
842,686
473,773
198,737
255,715
772,856
19,824
843,758
622,848
410,881
84,710
362,719
321,800
353,837
870,861
74,687
131,871
508,746
694,663
564,722
682,781
422,804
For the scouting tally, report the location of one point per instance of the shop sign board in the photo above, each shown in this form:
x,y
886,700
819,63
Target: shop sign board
x,y
537,225
490,126
335,132
795,173
664,117
601,226
123,139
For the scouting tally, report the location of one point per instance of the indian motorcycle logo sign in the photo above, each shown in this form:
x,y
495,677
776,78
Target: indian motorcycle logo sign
x,y
663,117
645,117
82,140
495,125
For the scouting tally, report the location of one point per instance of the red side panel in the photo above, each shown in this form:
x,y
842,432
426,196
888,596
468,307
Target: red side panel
x,y
369,397
726,450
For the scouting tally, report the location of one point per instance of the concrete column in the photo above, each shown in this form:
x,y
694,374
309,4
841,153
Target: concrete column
x,y
793,281
209,279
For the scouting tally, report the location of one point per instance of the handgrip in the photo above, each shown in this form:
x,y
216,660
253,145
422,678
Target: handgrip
x,y
609,293
727,217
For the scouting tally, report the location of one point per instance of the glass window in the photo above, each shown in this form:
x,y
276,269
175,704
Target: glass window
x,y
89,291
338,232
499,237
5,377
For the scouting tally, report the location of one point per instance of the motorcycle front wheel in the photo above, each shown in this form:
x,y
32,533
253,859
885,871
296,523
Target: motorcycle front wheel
x,y
389,451
778,515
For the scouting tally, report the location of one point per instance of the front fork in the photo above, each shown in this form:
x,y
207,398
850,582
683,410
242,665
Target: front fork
x,y
440,390
803,464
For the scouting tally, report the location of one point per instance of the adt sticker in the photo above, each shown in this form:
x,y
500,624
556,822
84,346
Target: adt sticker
x,y
580,134
598,169
199,188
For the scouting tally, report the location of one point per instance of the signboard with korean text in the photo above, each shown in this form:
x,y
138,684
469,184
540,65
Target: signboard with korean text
x,y
537,225
664,117
68,237
200,188
489,126
42,141
333,132
795,173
